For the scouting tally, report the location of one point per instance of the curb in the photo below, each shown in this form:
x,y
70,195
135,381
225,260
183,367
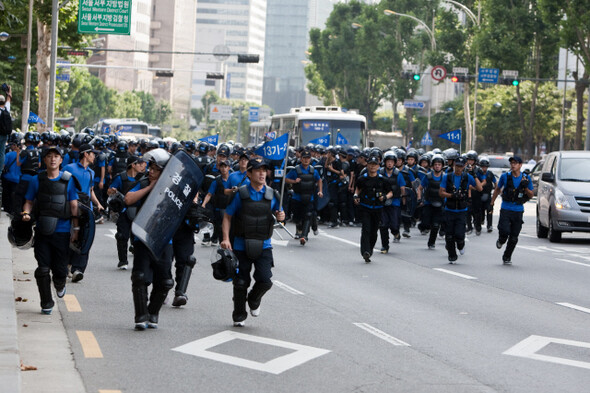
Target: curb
x,y
10,374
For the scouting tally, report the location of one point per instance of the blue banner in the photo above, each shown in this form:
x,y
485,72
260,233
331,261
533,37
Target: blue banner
x,y
33,118
452,136
341,140
322,140
213,139
274,150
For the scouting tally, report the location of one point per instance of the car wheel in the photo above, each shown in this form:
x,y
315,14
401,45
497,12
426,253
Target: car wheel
x,y
541,230
554,236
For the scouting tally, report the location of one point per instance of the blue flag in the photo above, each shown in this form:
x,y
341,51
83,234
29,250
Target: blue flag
x,y
213,139
322,140
452,136
274,150
341,140
33,118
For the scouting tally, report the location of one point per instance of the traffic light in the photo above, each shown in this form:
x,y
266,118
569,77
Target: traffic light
x,y
214,75
411,75
510,81
460,78
248,58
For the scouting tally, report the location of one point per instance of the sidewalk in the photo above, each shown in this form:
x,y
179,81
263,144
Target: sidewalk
x,y
27,337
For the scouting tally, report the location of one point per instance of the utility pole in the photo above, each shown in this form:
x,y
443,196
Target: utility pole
x,y
27,90
52,70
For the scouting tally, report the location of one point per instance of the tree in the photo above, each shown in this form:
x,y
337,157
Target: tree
x,y
571,18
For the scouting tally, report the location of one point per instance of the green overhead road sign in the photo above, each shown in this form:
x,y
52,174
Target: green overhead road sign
x,y
104,17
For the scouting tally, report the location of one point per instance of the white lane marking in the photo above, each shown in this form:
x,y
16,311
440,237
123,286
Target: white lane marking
x,y
465,276
381,334
112,234
282,243
573,306
573,262
340,239
529,347
301,353
287,288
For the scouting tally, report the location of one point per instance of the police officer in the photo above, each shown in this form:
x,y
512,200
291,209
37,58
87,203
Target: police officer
x,y
253,208
146,268
122,183
85,180
118,162
516,189
56,205
489,185
11,174
432,213
455,188
304,178
370,194
219,198
391,212
211,171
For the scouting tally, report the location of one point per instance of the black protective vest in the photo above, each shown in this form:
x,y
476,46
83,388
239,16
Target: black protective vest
x,y
255,219
127,184
220,200
453,202
30,166
432,194
515,195
372,190
487,189
392,181
306,187
119,163
52,198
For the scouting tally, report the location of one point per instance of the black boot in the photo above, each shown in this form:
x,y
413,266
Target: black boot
x,y
140,300
240,314
183,276
255,296
432,236
510,246
44,285
157,298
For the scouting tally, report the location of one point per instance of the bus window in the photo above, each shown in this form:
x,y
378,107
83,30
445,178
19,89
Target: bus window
x,y
352,131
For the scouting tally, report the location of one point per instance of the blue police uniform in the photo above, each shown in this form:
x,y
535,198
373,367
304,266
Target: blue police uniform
x,y
456,211
390,215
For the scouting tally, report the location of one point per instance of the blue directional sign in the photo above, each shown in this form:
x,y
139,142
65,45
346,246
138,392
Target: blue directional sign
x,y
426,139
413,104
253,113
452,136
488,75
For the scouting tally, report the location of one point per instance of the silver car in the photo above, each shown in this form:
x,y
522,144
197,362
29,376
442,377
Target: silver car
x,y
563,197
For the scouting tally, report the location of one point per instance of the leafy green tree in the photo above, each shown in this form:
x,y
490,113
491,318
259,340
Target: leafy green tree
x,y
163,112
148,107
571,20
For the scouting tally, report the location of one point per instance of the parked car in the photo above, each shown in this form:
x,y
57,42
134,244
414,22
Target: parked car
x,y
535,175
563,198
498,164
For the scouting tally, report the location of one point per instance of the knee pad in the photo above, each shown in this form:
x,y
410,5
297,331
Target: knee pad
x,y
240,283
191,262
41,272
308,215
137,278
168,284
264,285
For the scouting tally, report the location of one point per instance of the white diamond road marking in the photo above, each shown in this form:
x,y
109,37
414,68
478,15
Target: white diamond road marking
x,y
276,366
465,276
287,288
529,347
382,335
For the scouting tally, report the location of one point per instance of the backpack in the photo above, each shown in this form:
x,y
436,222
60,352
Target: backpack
x,y
5,122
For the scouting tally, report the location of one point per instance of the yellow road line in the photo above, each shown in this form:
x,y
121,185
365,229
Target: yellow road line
x,y
72,303
89,344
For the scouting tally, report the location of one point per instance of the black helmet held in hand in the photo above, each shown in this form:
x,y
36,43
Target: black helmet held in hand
x,y
224,264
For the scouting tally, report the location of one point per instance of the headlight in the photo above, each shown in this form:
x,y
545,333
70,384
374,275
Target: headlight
x,y
561,201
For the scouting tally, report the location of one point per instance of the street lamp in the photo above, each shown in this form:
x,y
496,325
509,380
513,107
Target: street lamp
x,y
428,30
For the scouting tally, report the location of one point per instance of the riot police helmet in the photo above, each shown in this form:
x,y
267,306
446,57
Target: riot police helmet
x,y
153,144
484,162
162,144
32,137
203,147
413,154
389,155
401,154
424,157
436,150
113,139
223,150
98,143
174,147
451,154
471,155
81,139
15,138
224,263
421,151
122,147
20,233
437,158
158,157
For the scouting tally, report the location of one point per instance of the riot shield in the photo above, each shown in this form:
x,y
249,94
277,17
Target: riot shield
x,y
411,201
323,201
167,204
87,230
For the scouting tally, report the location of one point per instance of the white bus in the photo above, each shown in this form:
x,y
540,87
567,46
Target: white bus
x,y
127,128
308,123
258,131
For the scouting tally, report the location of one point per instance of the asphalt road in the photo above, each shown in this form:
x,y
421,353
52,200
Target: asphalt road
x,y
406,322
